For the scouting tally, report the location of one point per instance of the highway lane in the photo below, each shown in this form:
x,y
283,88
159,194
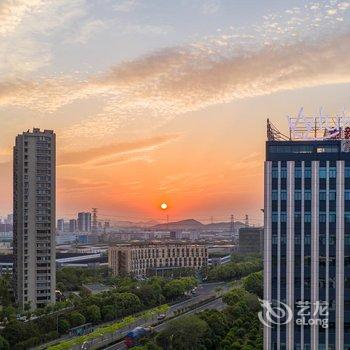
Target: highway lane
x,y
204,291
216,304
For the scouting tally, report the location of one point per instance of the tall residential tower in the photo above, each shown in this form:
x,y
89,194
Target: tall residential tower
x,y
307,235
34,194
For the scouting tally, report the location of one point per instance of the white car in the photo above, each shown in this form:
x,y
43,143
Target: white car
x,y
161,317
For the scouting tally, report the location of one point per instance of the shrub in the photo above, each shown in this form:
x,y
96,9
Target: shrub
x,y
4,344
76,319
29,343
63,325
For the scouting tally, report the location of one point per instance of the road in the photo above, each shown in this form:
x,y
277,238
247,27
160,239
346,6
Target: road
x,y
216,304
204,292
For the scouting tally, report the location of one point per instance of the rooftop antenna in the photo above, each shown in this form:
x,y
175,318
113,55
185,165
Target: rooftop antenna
x,y
315,122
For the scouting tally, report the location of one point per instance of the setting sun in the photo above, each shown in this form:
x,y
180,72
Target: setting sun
x,y
164,206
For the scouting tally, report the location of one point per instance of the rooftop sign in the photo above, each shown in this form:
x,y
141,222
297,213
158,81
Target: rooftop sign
x,y
319,127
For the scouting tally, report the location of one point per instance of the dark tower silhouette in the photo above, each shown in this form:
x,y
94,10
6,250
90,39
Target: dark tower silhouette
x,y
232,226
94,220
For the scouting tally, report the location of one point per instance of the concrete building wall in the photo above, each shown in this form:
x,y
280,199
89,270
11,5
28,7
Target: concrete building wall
x,y
140,259
34,217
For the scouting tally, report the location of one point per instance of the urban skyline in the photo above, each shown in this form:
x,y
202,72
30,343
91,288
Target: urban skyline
x,y
180,143
175,174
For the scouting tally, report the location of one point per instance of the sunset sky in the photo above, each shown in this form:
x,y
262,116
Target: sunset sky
x,y
165,101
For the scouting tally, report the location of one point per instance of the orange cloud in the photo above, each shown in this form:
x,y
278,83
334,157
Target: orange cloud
x,y
71,185
110,150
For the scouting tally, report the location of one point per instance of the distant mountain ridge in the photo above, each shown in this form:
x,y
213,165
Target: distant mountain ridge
x,y
187,224
191,224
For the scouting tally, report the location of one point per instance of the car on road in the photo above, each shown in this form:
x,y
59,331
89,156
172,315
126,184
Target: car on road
x,y
161,317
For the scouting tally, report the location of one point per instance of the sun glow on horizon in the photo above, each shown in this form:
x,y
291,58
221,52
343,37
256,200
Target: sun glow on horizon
x,y
164,206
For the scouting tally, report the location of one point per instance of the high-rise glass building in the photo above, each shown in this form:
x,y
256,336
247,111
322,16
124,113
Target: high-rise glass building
x,y
34,204
307,239
72,225
84,222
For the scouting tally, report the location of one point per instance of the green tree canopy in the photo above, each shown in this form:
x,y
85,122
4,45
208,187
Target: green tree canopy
x,y
63,325
5,290
185,333
217,328
92,314
253,283
233,271
4,344
177,287
76,319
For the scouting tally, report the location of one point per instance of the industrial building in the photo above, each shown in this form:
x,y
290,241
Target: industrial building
x,y
91,260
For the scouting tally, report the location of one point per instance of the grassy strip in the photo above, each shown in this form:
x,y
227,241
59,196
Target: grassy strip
x,y
98,332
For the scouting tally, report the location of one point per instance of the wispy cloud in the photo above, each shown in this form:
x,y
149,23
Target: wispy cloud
x,y
210,7
178,80
86,31
125,5
145,29
72,185
219,69
108,152
26,26
182,79
135,156
12,12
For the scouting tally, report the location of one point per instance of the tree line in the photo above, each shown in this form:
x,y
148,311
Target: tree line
x,y
234,270
235,328
127,297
